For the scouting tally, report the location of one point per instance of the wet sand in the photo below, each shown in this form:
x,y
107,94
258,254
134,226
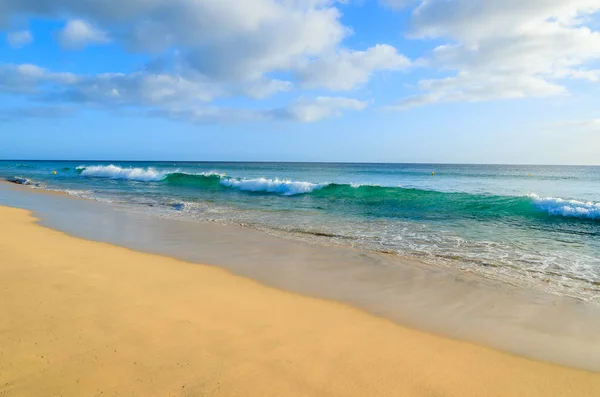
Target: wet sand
x,y
83,318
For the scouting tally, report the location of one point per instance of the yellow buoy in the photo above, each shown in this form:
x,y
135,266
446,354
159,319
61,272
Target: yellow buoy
x,y
53,172
433,173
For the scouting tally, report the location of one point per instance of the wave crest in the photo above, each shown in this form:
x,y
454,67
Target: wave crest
x,y
283,187
403,197
116,172
568,208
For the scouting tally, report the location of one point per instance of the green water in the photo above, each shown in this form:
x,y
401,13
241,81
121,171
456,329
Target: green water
x,y
535,225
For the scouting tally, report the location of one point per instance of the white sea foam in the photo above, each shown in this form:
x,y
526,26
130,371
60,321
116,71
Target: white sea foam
x,y
136,174
207,173
83,194
116,172
570,208
284,187
210,173
358,185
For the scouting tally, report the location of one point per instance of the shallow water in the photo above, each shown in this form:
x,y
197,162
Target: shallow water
x,y
533,226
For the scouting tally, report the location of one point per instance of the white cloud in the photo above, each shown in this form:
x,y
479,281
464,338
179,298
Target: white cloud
x,y
225,40
589,75
200,51
19,39
473,20
27,78
505,48
210,49
164,95
346,69
135,89
210,115
78,34
466,87
303,110
263,88
310,110
591,125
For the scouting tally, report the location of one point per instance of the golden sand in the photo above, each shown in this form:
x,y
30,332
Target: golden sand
x,y
81,318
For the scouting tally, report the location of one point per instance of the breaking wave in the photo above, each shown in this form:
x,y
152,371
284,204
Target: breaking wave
x,y
389,200
569,208
284,187
116,172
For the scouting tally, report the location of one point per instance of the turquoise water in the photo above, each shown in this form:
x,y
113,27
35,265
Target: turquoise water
x,y
528,225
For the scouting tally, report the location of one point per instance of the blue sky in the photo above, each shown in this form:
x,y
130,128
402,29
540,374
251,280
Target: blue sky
x,y
495,81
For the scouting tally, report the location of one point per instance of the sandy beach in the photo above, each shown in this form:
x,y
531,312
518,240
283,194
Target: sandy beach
x,y
83,318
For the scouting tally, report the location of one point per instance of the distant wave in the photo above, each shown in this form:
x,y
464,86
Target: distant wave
x,y
568,208
385,200
133,174
116,172
284,187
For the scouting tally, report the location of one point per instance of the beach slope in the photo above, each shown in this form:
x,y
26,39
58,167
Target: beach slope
x,y
82,318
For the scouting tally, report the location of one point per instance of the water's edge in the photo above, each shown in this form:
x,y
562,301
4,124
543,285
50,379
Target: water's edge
x,y
455,304
537,227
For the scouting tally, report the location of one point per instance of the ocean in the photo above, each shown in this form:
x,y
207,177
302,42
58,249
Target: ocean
x,y
532,226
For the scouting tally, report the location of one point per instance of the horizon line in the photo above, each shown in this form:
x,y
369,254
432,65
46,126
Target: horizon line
x,y
297,162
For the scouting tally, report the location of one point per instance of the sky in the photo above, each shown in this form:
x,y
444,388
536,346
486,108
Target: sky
x,y
453,81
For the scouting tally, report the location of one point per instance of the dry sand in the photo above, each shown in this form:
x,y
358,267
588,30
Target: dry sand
x,y
81,318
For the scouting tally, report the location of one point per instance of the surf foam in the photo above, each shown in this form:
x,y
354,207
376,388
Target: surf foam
x,y
136,174
284,187
116,172
569,208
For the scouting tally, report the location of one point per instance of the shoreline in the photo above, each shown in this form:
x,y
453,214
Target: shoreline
x,y
83,317
461,306
523,283
524,279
